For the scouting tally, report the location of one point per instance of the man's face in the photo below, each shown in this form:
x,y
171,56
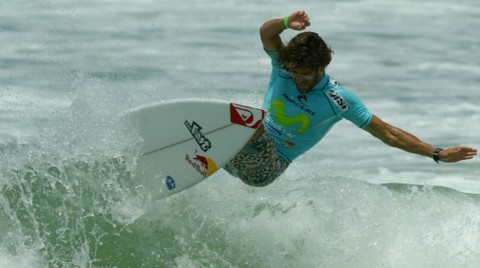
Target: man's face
x,y
305,78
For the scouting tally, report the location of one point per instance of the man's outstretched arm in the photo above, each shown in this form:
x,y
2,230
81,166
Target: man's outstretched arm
x,y
403,140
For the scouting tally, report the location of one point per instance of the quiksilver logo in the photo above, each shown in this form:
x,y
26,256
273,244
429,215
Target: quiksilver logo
x,y
246,116
338,99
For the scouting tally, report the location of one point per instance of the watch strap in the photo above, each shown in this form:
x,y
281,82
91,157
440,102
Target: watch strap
x,y
436,155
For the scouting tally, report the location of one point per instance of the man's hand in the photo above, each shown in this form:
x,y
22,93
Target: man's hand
x,y
298,21
457,153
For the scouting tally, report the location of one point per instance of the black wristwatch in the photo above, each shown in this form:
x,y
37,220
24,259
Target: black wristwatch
x,y
436,154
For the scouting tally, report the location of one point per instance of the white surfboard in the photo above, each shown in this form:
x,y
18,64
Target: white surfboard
x,y
186,141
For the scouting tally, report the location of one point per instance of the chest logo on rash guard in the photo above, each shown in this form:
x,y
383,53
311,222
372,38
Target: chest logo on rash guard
x,y
299,103
281,117
302,99
338,100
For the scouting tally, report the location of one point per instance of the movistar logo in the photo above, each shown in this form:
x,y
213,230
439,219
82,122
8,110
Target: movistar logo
x,y
283,119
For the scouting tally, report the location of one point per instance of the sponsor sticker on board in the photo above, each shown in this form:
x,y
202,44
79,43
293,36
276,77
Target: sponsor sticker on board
x,y
245,115
170,182
195,130
202,164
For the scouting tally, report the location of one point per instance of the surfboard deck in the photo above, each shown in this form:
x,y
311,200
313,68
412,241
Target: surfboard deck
x,y
186,141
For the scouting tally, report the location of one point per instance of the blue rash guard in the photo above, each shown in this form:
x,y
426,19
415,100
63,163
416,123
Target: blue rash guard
x,y
297,121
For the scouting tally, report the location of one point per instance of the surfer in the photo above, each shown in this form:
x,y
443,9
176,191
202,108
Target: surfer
x,y
303,102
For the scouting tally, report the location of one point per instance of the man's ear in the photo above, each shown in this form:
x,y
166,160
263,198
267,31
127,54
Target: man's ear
x,y
321,69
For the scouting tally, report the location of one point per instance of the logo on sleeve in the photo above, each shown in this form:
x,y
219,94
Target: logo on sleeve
x,y
338,100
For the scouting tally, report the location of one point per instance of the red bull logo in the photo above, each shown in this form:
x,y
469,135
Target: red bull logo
x,y
203,165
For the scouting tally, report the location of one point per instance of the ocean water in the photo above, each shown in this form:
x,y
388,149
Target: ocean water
x,y
70,69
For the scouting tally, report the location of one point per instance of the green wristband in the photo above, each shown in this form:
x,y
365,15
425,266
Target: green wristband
x,y
285,22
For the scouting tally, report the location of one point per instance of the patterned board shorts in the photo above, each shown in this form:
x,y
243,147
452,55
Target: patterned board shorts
x,y
258,163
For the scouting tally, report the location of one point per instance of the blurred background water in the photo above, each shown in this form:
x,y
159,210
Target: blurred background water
x,y
70,69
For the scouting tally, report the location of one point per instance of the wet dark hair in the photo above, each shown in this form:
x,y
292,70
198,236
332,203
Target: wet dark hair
x,y
306,50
